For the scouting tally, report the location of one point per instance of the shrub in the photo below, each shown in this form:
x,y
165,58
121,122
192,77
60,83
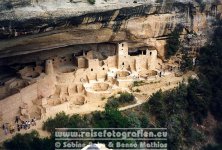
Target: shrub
x,y
187,63
60,121
92,1
138,83
137,90
113,103
29,141
133,120
125,98
173,42
110,118
144,121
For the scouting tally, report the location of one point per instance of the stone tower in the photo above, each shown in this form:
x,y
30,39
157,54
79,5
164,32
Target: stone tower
x,y
152,59
122,54
49,67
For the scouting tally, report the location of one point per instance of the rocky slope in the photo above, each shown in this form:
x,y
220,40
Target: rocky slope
x,y
29,26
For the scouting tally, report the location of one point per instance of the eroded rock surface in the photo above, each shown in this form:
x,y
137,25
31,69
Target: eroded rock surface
x,y
29,26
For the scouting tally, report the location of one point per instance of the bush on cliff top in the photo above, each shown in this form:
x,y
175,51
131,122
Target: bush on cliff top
x,y
92,1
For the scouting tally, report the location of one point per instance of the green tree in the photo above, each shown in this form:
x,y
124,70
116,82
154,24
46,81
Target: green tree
x,y
61,120
210,64
133,120
187,63
110,118
217,134
144,122
212,147
173,42
29,141
198,103
123,99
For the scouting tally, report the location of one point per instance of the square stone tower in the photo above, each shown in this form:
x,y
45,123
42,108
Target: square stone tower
x,y
152,58
49,70
122,55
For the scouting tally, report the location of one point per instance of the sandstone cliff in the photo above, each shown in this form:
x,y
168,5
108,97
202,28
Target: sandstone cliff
x,y
29,26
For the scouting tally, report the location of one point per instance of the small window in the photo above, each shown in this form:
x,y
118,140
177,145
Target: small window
x,y
122,45
91,69
123,63
144,52
150,53
103,68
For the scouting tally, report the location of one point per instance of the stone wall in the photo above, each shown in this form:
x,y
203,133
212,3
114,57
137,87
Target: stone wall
x,y
111,61
122,55
46,86
29,93
10,106
152,59
82,62
141,62
94,65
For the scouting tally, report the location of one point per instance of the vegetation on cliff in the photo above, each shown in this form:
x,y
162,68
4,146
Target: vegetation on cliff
x,y
29,141
92,1
173,42
177,110
210,61
122,100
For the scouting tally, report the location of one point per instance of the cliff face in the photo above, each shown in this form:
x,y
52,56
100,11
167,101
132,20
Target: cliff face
x,y
145,24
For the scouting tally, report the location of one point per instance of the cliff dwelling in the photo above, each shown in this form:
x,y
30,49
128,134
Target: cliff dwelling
x,y
73,56
61,83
